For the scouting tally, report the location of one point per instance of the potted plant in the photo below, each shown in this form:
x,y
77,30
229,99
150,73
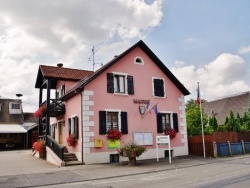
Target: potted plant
x,y
114,134
72,140
171,132
131,150
41,111
40,146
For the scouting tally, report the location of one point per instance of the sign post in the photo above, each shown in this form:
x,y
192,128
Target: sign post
x,y
163,140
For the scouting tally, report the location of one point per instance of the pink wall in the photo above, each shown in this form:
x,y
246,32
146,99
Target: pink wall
x,y
143,89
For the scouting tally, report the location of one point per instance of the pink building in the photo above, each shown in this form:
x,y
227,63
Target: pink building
x,y
87,104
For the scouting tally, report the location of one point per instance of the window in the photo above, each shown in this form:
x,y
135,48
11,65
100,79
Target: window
x,y
60,92
73,126
15,105
158,87
112,119
52,131
138,60
167,120
120,83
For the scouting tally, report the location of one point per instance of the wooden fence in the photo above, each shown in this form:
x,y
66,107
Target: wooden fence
x,y
220,144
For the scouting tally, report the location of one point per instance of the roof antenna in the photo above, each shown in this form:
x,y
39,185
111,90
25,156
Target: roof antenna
x,y
93,57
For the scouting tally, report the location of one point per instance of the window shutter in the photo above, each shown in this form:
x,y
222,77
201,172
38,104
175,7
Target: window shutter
x,y
159,123
175,122
69,125
102,122
124,123
159,87
76,127
130,81
110,83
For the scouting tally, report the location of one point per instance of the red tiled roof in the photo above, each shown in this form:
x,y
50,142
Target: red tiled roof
x,y
64,73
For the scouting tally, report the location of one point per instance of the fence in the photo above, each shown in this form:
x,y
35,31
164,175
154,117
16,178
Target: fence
x,y
220,144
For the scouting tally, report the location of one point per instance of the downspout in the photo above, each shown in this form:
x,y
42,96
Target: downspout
x,y
80,92
82,125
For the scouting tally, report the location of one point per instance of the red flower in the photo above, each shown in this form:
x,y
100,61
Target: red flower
x,y
41,111
171,132
39,146
72,141
114,134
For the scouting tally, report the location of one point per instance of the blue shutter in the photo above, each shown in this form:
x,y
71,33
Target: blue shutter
x,y
69,125
175,122
130,85
102,122
124,123
159,123
159,87
110,83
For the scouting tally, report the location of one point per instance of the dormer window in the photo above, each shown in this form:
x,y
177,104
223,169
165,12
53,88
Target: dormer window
x,y
15,105
138,60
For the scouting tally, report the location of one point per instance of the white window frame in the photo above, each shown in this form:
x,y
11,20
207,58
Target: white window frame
x,y
142,61
153,88
119,117
125,82
59,91
72,124
171,117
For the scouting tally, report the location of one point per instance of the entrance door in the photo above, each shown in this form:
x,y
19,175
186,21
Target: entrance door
x,y
60,127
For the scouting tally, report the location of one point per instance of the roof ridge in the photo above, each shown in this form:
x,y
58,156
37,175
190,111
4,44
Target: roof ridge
x,y
65,68
230,96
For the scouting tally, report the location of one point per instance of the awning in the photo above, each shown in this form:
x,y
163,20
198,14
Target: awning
x,y
12,128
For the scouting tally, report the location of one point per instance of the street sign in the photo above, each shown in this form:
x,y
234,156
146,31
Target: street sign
x,y
162,139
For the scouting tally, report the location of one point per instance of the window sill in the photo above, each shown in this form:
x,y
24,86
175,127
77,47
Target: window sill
x,y
121,94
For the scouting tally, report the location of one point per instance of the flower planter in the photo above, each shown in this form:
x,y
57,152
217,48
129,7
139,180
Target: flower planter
x,y
132,161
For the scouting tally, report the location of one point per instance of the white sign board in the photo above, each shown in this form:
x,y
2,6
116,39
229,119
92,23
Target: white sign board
x,y
143,138
163,140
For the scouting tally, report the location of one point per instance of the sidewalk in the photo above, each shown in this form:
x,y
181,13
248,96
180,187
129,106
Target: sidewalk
x,y
21,169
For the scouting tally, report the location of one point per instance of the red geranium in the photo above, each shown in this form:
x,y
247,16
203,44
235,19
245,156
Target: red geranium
x,y
39,146
114,134
171,132
72,141
41,111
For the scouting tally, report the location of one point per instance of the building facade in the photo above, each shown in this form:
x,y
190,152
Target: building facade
x,y
134,93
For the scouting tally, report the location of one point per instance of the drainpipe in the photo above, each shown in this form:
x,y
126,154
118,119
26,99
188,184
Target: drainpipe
x,y
80,92
82,125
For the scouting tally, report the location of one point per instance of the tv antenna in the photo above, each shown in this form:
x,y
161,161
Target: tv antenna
x,y
92,57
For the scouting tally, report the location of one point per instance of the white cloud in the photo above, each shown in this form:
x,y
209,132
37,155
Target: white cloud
x,y
218,78
244,49
48,32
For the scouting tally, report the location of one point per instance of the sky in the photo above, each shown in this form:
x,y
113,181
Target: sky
x,y
198,40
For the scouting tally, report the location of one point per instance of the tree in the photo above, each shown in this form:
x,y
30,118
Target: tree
x,y
193,118
213,123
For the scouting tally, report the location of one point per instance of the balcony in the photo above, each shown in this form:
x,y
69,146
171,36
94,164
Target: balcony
x,y
57,107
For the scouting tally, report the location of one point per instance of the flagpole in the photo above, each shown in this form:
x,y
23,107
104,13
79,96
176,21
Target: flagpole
x,y
202,129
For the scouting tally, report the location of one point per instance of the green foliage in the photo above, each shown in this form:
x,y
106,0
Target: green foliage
x,y
222,128
208,130
193,118
213,123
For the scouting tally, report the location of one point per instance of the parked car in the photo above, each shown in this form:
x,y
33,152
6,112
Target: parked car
x,y
9,145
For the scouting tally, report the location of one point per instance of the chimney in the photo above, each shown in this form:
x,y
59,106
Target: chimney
x,y
60,65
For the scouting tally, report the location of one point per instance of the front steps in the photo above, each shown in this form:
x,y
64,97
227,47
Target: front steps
x,y
70,158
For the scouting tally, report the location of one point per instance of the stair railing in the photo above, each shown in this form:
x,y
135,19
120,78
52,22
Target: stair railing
x,y
55,147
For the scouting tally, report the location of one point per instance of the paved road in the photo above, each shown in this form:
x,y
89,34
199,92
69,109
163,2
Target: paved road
x,y
21,169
